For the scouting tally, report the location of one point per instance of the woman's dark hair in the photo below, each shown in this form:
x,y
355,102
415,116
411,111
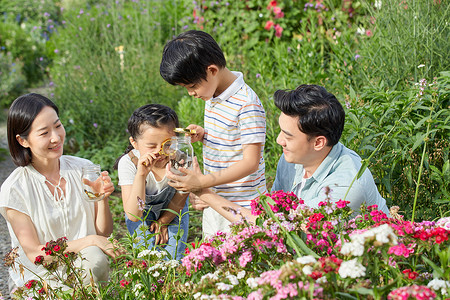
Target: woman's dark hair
x,y
22,113
154,115
186,58
319,112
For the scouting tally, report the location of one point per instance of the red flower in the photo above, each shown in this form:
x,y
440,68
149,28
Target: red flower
x,y
315,275
56,248
39,259
129,264
124,282
342,203
269,25
272,3
30,284
48,252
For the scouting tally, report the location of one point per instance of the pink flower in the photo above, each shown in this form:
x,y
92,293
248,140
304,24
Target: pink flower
x,y
278,30
245,258
342,203
369,32
269,25
278,13
400,250
412,292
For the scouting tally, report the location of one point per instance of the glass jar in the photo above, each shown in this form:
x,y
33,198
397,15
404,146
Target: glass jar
x,y
92,183
181,153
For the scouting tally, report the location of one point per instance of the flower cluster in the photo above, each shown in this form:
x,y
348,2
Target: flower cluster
x,y
412,292
280,201
278,14
243,246
55,250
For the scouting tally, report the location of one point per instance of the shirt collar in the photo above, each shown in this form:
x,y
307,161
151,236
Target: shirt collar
x,y
232,89
41,178
324,169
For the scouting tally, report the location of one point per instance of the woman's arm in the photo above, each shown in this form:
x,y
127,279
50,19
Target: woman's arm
x,y
27,236
103,217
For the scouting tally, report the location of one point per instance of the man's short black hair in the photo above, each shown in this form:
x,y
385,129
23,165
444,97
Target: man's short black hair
x,y
319,112
186,58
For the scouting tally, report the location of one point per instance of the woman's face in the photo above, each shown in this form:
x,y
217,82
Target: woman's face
x,y
151,139
46,137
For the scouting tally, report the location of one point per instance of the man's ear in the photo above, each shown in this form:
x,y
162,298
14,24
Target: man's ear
x,y
23,142
133,142
213,69
320,142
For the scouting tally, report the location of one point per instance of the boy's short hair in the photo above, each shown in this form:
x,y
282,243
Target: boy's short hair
x,y
319,112
186,58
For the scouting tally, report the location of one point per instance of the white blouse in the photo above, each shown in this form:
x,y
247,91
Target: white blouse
x,y
72,217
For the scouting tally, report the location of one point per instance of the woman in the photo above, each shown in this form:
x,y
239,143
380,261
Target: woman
x,y
42,198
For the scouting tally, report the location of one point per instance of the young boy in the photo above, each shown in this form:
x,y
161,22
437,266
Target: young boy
x,y
235,123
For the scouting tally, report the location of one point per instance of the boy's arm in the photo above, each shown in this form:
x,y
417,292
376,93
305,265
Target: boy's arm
x,y
248,165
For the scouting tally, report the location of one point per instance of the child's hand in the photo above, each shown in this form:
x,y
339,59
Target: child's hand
x,y
196,203
146,163
108,185
162,233
190,181
199,133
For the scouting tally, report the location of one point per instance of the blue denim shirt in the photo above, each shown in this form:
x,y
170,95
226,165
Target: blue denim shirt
x,y
336,172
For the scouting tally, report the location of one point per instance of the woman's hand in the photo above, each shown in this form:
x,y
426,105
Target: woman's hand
x,y
108,185
162,233
112,249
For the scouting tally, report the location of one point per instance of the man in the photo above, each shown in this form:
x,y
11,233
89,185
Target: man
x,y
314,165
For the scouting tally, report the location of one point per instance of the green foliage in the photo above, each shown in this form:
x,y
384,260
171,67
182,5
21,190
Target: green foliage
x,y
12,80
107,65
405,115
24,31
405,35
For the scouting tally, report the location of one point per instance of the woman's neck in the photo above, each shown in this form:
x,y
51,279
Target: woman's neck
x,y
48,168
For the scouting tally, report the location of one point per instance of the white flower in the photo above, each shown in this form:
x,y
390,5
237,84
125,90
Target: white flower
x,y
308,259
144,253
439,284
223,286
352,268
360,31
156,274
197,295
209,276
252,282
322,280
378,4
307,270
233,279
241,274
354,248
420,66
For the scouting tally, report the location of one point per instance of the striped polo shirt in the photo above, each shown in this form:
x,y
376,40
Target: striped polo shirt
x,y
235,118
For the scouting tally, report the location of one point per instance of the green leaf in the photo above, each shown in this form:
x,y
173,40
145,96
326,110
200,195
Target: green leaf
x,y
419,141
363,168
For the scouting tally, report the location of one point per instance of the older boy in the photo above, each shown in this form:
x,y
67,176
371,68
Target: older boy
x,y
235,124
